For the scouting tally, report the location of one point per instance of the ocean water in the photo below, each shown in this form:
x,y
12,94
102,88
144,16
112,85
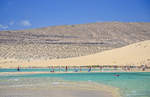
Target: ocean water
x,y
135,84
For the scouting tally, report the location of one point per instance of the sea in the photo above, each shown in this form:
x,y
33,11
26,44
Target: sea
x,y
130,84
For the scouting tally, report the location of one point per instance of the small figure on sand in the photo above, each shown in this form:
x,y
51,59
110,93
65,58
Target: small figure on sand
x,y
18,69
66,68
80,69
143,67
89,69
51,68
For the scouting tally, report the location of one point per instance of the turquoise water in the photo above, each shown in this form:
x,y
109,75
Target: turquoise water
x,y
130,84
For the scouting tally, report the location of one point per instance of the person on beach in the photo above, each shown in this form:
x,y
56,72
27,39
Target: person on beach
x,y
18,69
100,67
89,69
75,69
53,69
80,69
49,68
66,68
143,67
128,68
59,68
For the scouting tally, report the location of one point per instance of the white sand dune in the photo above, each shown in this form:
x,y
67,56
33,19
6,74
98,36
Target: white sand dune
x,y
134,54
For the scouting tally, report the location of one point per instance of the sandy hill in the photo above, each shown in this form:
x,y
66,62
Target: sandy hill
x,y
67,41
134,54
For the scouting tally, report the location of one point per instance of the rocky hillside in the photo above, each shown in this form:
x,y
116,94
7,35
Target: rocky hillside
x,y
70,40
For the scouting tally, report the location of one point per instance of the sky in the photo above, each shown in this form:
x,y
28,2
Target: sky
x,y
27,14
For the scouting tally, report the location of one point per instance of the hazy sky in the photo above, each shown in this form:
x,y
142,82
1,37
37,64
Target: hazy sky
x,y
23,14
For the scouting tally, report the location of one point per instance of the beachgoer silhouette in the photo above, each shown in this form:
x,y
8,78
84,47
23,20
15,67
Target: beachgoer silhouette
x,y
18,69
66,68
89,69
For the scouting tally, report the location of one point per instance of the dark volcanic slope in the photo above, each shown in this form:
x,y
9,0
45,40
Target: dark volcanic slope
x,y
70,40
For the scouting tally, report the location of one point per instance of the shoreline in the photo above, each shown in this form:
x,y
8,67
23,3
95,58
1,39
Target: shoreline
x,y
45,72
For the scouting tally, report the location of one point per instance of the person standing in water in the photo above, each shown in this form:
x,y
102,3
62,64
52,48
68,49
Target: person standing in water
x,y
90,68
53,70
18,69
49,68
66,68
80,69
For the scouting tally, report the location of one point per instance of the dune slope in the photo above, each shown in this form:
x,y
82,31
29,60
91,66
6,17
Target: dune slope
x,y
134,54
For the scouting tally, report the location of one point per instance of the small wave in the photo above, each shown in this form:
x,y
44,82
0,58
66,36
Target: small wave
x,y
55,83
89,80
20,85
16,79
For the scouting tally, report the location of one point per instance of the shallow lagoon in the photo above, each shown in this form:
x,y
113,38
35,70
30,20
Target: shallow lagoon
x,y
135,84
